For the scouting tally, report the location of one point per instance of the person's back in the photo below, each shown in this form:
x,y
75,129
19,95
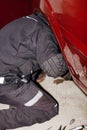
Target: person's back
x,y
30,37
27,46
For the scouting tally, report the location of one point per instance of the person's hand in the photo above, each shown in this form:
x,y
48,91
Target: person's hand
x,y
41,77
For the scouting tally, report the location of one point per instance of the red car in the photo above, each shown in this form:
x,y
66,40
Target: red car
x,y
68,20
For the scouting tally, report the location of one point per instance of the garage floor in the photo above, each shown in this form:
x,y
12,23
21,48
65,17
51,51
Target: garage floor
x,y
72,107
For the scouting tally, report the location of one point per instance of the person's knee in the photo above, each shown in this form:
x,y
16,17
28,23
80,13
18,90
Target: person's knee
x,y
53,111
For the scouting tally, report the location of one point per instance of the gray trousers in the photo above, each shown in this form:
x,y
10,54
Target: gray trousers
x,y
24,116
26,113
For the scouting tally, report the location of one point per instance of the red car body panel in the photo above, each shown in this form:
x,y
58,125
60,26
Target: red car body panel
x,y
68,20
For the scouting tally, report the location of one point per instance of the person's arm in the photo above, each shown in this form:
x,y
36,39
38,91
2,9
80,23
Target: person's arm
x,y
49,55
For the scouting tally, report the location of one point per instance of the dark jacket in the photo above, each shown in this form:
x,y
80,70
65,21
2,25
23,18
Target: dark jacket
x,y
26,45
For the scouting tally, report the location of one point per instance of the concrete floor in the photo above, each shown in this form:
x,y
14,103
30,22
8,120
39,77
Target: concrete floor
x,y
72,106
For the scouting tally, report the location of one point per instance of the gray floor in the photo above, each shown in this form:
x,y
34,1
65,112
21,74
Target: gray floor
x,y
72,106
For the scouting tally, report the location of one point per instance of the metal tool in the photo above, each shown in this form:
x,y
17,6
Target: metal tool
x,y
62,128
80,127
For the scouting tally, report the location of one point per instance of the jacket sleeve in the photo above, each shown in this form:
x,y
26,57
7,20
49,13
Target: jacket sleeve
x,y
49,55
46,45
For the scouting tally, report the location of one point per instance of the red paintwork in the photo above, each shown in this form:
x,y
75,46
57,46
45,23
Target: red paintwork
x,y
68,20
12,9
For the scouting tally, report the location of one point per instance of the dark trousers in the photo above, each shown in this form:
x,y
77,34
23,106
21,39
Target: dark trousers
x,y
43,108
25,116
